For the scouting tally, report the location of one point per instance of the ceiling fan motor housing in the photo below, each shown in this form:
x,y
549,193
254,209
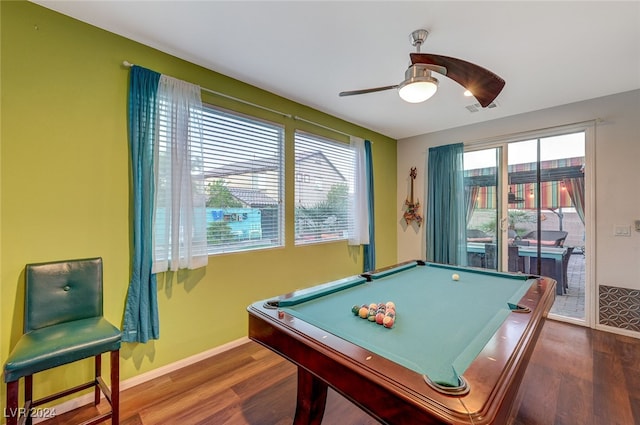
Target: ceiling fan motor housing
x,y
419,72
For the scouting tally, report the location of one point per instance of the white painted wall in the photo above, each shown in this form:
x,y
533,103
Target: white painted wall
x,y
617,176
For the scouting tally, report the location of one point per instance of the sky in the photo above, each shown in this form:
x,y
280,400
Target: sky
x,y
556,147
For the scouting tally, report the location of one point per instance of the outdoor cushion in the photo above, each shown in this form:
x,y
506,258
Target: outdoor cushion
x,y
543,243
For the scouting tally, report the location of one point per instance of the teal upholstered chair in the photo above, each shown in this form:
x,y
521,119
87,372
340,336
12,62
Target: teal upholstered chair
x,y
63,323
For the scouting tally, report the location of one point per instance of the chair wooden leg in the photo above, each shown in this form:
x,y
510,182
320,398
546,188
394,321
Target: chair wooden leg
x,y
11,412
98,373
115,387
28,398
20,415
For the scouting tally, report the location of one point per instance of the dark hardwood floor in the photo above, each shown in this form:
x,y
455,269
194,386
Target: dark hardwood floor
x,y
577,376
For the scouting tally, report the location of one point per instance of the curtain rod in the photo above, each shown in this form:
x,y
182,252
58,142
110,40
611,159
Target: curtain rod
x,y
129,65
297,118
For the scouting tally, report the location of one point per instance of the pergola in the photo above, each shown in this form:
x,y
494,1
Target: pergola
x,y
555,178
561,186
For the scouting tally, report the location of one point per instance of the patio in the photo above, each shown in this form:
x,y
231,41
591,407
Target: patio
x,y
572,303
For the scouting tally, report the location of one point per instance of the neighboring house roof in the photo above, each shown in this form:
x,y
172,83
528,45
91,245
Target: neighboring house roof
x,y
252,197
306,156
260,165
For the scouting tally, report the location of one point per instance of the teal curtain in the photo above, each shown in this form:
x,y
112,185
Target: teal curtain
x,y
141,310
446,208
369,250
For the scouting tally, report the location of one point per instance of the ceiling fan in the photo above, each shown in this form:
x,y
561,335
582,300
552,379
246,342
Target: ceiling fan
x,y
419,85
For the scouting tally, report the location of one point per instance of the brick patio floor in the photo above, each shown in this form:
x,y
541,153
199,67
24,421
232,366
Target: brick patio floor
x,y
571,304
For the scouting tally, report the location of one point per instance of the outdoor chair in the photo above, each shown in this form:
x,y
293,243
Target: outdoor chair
x,y
63,323
565,267
515,261
490,256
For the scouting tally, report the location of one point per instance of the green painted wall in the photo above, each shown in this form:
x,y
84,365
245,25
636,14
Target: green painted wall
x,y
65,190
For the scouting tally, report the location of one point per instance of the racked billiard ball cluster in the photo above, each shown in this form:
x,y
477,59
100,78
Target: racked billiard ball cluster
x,y
381,313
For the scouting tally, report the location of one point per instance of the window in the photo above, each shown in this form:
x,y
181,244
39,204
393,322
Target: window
x,y
324,185
243,172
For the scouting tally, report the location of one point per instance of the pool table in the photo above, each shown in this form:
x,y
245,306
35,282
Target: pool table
x,y
455,354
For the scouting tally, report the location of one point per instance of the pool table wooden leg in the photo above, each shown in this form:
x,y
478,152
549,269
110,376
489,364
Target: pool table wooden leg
x,y
312,398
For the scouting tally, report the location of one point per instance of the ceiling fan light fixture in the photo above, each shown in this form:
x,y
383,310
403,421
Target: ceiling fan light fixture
x,y
417,91
418,85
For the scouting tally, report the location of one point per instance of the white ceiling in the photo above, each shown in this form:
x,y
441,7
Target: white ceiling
x,y
549,53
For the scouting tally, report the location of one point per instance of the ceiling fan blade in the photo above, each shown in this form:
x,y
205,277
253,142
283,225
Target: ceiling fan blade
x,y
482,83
363,91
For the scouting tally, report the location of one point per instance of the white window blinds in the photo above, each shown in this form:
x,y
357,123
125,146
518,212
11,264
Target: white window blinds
x,y
243,169
324,188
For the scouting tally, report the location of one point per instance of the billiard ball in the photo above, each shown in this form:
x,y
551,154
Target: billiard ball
x,y
390,304
355,310
455,276
388,322
364,312
379,318
371,315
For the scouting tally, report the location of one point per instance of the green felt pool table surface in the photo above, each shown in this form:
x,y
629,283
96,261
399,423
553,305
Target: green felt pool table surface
x,y
444,329
441,324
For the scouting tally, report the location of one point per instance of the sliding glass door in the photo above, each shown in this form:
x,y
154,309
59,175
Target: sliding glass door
x,y
482,171
526,213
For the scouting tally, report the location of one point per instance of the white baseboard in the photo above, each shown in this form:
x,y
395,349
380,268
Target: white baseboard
x,y
69,405
619,331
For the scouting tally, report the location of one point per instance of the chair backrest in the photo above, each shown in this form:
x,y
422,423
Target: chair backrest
x,y
490,256
515,262
62,291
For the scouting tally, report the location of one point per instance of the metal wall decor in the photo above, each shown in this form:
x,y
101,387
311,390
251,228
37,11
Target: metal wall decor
x,y
412,211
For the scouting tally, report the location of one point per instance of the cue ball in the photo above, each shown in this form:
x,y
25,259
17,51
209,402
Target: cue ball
x,y
455,276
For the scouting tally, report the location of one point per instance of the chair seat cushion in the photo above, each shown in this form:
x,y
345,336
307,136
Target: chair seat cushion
x,y
543,243
60,344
